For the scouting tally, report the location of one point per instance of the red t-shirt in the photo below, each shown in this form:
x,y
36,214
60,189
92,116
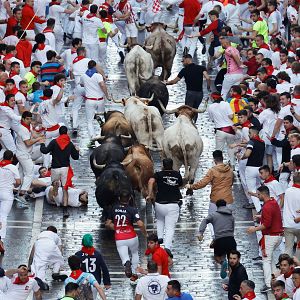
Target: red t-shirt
x,y
24,51
11,23
27,15
191,10
271,218
161,257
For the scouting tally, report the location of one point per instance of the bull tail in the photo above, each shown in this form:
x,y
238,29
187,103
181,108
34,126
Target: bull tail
x,y
149,120
184,153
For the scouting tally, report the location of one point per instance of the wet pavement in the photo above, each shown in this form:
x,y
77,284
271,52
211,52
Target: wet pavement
x,y
193,261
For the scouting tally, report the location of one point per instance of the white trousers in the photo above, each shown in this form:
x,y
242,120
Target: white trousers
x,y
190,43
271,242
252,181
290,234
59,38
6,202
46,254
242,171
92,107
229,81
132,245
7,140
222,139
92,51
166,218
102,55
27,170
283,179
79,92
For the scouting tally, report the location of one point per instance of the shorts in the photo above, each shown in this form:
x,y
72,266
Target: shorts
x,y
269,149
60,174
223,246
131,30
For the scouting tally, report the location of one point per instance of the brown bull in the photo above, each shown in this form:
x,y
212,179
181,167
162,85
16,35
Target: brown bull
x,y
116,124
139,167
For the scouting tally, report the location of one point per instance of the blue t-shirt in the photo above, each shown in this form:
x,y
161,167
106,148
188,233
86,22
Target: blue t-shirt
x,y
183,296
36,96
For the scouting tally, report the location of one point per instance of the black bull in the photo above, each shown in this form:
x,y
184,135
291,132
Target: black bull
x,y
156,87
109,185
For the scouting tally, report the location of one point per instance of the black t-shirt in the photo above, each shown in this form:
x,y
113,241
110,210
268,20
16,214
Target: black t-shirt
x,y
257,155
168,183
193,75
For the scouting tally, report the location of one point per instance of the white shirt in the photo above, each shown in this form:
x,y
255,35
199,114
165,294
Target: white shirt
x,y
295,152
4,283
68,58
55,12
295,79
265,52
41,54
73,197
8,117
48,234
296,295
23,134
232,14
219,113
291,205
91,85
59,107
276,189
17,79
21,291
22,68
292,15
152,286
274,18
39,7
207,7
79,68
21,100
50,39
275,56
11,40
289,285
48,113
8,176
267,118
284,87
90,27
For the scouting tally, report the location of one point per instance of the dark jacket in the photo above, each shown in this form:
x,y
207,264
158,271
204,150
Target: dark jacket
x,y
60,158
237,275
286,151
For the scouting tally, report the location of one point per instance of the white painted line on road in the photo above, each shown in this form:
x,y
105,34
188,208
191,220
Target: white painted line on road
x,y
15,226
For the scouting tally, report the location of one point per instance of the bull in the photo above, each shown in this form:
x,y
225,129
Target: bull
x,y
110,184
111,149
145,121
154,86
139,167
139,67
116,124
182,142
162,48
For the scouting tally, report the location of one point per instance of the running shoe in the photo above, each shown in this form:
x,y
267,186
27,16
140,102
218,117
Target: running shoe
x,y
223,272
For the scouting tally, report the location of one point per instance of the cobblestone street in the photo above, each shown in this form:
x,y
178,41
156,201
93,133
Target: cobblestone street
x,y
193,261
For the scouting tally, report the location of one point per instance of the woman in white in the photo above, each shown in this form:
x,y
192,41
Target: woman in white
x,y
267,119
9,179
40,49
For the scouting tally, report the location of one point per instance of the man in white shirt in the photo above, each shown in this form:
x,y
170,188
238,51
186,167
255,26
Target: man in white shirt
x,y
47,252
7,119
152,286
70,54
291,215
49,34
95,90
286,264
90,25
15,73
9,179
24,145
221,114
21,97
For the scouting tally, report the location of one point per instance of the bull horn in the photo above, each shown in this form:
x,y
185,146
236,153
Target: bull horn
x,y
140,28
98,166
126,162
116,101
167,111
149,47
202,110
125,136
147,99
98,138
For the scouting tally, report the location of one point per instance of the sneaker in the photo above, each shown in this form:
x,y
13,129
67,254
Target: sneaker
x,y
185,51
59,277
122,56
212,244
128,271
223,272
204,49
75,132
249,206
265,289
257,258
134,279
43,285
22,201
66,214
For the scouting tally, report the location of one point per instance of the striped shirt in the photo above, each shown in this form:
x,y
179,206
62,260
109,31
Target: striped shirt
x,y
50,69
125,9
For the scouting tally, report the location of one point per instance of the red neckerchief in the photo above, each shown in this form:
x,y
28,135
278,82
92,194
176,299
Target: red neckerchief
x,y
270,70
34,74
45,98
88,250
47,29
54,3
12,74
18,281
250,295
24,94
90,15
121,5
296,96
5,104
259,19
58,85
269,179
12,91
26,126
287,131
276,50
5,162
247,124
63,141
2,84
215,96
285,296
73,50
249,92
231,2
257,138
41,46
83,8
264,46
8,56
272,91
78,58
287,275
76,274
